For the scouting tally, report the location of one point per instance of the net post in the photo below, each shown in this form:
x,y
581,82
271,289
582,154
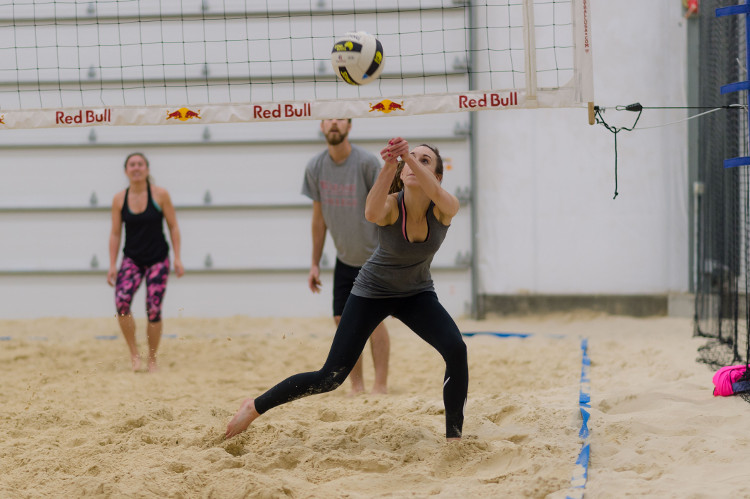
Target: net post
x,y
592,114
530,53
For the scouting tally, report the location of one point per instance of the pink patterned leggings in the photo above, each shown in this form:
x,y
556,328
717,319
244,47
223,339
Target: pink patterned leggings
x,y
129,280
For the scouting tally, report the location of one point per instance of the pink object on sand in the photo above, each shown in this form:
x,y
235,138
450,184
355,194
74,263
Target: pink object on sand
x,y
725,378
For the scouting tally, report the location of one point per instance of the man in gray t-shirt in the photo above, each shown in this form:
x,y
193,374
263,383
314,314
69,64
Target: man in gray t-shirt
x,y
338,181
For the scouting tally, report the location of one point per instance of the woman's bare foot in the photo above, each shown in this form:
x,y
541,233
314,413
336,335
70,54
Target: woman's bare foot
x,y
379,390
152,367
355,391
242,419
135,361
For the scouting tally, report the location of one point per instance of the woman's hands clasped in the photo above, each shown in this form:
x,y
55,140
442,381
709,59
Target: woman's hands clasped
x,y
397,147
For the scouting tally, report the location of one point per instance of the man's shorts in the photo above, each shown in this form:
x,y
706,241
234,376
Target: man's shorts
x,y
343,282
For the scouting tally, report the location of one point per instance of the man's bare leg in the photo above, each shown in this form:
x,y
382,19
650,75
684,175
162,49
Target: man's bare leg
x,y
356,376
153,331
127,326
380,344
242,419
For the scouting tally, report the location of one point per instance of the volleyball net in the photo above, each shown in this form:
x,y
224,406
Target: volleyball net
x,y
722,194
119,62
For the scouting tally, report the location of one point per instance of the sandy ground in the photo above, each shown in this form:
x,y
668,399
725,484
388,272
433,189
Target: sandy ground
x,y
75,421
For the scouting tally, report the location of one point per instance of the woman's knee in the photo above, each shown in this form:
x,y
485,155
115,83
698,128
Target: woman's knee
x,y
330,380
456,353
153,310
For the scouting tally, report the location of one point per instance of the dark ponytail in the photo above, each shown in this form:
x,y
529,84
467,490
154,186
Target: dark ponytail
x,y
397,185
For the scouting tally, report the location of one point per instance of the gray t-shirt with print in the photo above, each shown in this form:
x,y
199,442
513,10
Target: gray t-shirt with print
x,y
342,191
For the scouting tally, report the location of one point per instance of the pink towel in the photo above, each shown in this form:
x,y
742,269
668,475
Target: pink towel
x,y
725,378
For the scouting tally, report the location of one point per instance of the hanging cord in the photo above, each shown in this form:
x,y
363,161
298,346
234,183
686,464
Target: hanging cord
x,y
637,107
615,130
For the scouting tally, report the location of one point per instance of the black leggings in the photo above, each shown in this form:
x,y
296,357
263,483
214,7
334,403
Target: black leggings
x,y
423,314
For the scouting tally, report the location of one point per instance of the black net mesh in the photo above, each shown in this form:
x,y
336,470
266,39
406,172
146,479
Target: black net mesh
x,y
723,203
58,53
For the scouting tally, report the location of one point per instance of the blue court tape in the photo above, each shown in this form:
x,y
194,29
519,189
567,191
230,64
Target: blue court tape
x,y
114,336
580,474
30,338
499,335
100,337
508,335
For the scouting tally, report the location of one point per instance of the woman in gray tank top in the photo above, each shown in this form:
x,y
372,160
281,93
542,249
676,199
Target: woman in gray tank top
x,y
413,213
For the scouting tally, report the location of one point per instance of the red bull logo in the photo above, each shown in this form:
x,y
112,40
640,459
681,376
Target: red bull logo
x,y
2,119
386,106
488,100
83,116
184,114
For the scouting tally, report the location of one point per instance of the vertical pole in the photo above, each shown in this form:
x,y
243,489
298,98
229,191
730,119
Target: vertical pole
x,y
693,189
529,51
477,308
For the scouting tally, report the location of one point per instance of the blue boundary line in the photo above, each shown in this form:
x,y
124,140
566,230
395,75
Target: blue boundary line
x,y
580,475
27,338
115,336
98,337
509,335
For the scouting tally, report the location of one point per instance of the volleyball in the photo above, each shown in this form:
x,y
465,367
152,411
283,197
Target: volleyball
x,y
357,58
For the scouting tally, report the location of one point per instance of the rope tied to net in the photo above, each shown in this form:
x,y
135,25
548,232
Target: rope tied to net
x,y
637,107
615,130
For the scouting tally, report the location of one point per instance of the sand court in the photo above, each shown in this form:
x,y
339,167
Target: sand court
x,y
76,421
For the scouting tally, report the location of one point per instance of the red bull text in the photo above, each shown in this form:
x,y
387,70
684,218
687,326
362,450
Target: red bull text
x,y
282,111
83,116
488,100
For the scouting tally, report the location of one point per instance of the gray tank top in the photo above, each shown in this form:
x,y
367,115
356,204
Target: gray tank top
x,y
399,268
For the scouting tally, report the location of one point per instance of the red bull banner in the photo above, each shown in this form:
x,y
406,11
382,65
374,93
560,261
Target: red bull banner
x,y
204,114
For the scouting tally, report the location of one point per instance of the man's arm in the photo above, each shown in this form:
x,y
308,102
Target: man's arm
x,y
318,241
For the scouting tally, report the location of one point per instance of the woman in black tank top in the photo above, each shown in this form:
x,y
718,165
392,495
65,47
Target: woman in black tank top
x,y
413,213
142,208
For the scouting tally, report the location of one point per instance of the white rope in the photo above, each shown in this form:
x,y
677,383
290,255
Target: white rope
x,y
683,120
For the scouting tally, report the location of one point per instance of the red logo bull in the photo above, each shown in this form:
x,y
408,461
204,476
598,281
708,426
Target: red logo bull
x,y
2,119
386,106
184,114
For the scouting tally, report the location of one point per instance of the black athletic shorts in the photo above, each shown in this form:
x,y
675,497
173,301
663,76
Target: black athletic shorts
x,y
343,282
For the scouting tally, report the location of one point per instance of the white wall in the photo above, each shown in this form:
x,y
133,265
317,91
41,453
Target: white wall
x,y
260,256
548,223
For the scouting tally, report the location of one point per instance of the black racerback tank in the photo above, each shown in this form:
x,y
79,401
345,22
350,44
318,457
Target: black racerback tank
x,y
145,243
